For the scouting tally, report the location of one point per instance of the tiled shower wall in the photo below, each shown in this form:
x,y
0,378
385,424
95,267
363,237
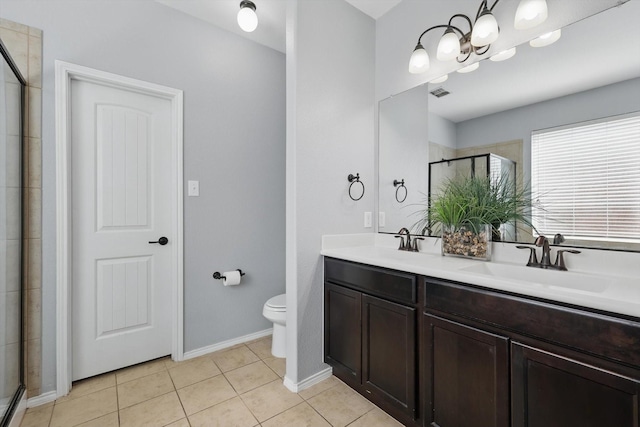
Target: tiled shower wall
x,y
25,45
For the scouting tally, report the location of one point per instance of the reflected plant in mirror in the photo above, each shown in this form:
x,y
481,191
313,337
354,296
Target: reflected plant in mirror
x,y
502,107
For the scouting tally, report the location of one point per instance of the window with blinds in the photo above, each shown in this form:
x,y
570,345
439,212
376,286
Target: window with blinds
x,y
586,177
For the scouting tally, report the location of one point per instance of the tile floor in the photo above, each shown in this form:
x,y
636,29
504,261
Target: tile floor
x,y
236,387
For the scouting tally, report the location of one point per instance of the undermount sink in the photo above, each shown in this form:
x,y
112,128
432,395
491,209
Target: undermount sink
x,y
533,276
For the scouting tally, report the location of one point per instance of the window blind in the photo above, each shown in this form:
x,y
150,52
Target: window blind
x,y
586,177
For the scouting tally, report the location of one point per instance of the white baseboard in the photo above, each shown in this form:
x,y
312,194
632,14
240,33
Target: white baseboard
x,y
226,344
307,382
42,399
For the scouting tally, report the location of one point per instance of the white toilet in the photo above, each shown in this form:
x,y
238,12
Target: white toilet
x,y
275,310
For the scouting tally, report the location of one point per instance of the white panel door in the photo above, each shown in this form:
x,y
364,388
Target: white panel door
x,y
121,201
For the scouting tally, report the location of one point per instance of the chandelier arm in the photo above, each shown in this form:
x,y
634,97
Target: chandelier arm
x,y
482,3
433,28
477,51
465,58
460,15
494,5
453,27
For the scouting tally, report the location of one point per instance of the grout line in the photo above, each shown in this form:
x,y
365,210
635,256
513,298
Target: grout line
x,y
184,411
51,416
316,411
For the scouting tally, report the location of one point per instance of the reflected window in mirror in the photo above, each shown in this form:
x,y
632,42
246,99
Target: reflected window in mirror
x,y
586,176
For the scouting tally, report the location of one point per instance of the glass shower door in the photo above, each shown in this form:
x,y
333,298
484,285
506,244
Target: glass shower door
x,y
11,235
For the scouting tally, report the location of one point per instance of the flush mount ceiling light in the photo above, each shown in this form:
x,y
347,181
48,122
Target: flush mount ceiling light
x,y
247,18
546,39
459,45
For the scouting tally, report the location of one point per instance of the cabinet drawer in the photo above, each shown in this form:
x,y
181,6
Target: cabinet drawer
x,y
389,284
601,335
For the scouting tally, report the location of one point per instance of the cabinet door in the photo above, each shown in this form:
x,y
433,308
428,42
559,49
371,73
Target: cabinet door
x,y
342,338
389,352
553,391
466,380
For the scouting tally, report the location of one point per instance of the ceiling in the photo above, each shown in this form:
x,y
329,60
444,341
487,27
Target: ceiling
x,y
578,51
271,16
374,8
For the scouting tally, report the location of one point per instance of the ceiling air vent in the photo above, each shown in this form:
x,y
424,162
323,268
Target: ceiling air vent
x,y
439,92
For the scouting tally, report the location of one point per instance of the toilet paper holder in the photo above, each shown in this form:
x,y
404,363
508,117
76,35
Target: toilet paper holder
x,y
219,276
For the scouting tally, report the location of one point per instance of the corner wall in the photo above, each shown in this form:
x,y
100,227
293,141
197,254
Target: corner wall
x,y
330,134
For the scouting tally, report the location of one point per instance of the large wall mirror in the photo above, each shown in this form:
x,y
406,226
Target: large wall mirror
x,y
588,77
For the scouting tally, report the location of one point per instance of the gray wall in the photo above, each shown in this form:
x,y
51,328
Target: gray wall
x,y
234,144
618,98
330,134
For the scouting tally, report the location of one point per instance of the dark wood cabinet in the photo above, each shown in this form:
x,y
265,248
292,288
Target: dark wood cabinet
x,y
466,379
371,334
438,353
342,338
549,390
389,352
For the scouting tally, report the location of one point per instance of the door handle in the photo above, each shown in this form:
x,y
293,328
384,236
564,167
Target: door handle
x,y
161,241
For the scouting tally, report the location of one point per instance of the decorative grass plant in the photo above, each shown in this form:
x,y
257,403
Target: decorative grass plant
x,y
468,204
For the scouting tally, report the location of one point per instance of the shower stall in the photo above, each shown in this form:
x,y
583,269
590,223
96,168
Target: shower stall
x,y
12,386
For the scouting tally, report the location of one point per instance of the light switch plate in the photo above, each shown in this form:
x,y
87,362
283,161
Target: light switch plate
x,y
194,188
382,219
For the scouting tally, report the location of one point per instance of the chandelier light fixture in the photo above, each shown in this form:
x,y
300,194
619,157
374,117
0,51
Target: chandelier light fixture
x,y
459,45
247,18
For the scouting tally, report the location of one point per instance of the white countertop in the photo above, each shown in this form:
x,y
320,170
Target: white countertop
x,y
612,293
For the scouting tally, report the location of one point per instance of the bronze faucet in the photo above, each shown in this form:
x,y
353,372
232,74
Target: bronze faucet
x,y
545,262
404,245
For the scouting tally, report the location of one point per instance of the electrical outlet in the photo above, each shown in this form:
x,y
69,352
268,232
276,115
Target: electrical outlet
x,y
194,188
368,220
382,219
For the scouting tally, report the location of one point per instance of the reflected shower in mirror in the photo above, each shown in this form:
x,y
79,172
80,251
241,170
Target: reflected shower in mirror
x,y
589,74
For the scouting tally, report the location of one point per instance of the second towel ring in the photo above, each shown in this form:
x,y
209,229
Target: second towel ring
x,y
399,185
353,179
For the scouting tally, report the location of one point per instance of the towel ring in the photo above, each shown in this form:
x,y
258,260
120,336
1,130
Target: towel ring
x,y
353,179
399,185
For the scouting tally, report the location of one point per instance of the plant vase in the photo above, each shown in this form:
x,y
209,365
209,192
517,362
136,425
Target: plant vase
x,y
467,242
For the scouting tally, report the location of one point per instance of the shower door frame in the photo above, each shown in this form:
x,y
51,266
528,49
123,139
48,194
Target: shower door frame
x,y
6,418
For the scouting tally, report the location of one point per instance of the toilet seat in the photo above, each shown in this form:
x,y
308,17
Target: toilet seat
x,y
277,303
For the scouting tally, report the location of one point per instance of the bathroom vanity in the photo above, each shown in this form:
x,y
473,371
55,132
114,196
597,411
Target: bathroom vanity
x,y
435,350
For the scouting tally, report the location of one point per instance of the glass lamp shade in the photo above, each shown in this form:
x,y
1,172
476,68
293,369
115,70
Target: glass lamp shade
x,y
247,18
485,31
419,62
449,46
440,79
469,68
504,55
530,13
546,39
